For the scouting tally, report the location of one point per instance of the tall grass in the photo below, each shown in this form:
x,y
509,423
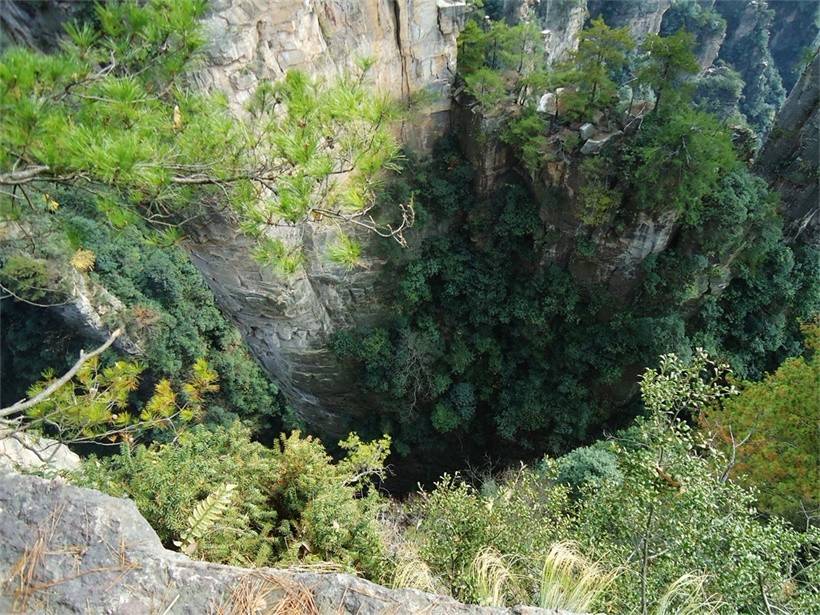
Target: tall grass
x,y
492,579
570,581
687,596
414,573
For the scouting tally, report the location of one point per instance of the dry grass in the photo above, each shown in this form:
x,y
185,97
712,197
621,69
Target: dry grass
x,y
570,581
413,573
687,596
493,580
26,576
261,593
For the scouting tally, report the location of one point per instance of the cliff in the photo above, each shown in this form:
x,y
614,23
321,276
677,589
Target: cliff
x,y
67,550
288,320
789,158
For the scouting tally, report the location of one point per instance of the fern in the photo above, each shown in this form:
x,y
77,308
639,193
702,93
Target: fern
x,y
204,516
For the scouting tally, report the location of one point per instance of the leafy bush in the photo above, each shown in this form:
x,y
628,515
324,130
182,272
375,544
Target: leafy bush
x,y
661,531
288,504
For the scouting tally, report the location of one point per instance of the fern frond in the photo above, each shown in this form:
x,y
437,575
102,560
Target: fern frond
x,y
205,515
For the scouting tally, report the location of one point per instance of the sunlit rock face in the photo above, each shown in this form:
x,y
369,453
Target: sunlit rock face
x,y
288,321
413,44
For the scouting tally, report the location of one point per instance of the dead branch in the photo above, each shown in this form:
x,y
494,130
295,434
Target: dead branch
x,y
24,404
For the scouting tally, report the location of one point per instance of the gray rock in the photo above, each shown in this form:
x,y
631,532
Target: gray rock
x,y
586,131
548,103
67,550
790,158
594,146
29,453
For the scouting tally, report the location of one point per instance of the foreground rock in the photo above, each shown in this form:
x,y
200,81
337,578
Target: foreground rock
x,y
64,549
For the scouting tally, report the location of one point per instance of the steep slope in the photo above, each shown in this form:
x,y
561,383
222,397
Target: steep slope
x,y
288,320
789,158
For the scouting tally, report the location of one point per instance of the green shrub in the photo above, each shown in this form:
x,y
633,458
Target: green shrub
x,y
289,504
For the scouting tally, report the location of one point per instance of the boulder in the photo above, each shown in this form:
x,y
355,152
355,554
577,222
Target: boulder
x,y
67,550
30,453
548,103
594,146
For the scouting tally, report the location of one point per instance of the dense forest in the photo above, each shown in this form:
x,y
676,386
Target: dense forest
x,y
552,413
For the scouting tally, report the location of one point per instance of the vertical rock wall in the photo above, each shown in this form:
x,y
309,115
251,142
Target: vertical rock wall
x,y
289,320
790,158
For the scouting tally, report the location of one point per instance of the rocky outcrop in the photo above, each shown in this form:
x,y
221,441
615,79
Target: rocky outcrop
x,y
66,550
288,321
561,22
22,452
795,31
789,158
640,17
412,43
597,256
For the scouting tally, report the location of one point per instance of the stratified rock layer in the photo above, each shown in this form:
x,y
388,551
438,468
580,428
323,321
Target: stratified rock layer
x,y
288,321
66,550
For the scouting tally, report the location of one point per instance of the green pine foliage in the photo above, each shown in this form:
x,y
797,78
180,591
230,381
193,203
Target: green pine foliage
x,y
287,504
170,312
114,112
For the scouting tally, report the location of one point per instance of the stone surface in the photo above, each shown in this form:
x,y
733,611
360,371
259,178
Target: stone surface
x,y
288,321
641,17
412,43
560,20
30,453
594,146
789,158
67,550
586,131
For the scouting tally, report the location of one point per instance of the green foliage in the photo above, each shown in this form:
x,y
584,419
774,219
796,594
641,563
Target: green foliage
x,y
664,533
170,311
602,51
288,504
489,345
749,54
599,201
275,254
30,278
528,133
668,62
346,252
95,404
773,423
110,109
487,87
677,160
589,465
205,516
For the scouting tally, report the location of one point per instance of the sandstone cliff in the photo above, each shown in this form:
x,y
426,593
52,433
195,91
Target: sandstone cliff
x,y
790,157
288,321
66,550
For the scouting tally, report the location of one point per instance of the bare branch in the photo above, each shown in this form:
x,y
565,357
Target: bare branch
x,y
42,395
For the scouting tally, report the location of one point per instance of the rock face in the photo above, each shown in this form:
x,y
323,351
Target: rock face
x,y
29,453
561,22
641,17
413,44
596,256
789,158
288,321
66,550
